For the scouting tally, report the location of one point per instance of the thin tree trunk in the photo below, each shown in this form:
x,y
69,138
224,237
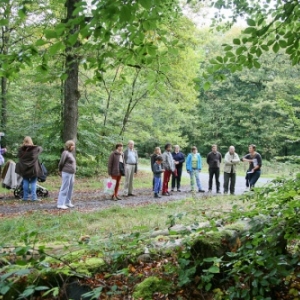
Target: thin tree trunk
x,y
71,89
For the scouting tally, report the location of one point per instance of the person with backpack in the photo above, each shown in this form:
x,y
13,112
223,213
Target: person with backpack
x,y
29,167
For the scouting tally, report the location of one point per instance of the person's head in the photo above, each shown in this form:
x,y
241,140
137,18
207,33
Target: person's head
x,y
168,147
231,149
194,149
157,150
119,147
70,145
159,159
214,148
252,148
130,144
176,148
27,141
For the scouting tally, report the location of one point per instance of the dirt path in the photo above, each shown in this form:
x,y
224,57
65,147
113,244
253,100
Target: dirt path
x,y
96,200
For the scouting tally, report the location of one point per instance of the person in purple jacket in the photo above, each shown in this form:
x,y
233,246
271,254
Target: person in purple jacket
x,y
179,159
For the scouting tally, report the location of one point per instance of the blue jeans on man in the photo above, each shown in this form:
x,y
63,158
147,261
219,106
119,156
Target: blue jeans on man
x,y
157,185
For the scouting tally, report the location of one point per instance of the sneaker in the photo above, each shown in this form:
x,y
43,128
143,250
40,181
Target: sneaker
x,y
201,191
209,191
172,190
131,195
36,200
113,198
62,206
118,198
178,190
24,199
70,205
219,192
156,195
166,194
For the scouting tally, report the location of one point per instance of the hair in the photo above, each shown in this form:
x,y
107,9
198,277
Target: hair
x,y
155,149
253,146
167,146
214,145
118,145
27,141
159,158
69,144
194,148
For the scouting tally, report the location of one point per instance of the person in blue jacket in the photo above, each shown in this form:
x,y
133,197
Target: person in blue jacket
x,y
193,167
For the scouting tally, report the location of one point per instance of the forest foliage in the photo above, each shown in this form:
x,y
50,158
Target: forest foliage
x,y
146,80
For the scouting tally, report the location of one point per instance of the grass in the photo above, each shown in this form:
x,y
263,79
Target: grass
x,y
67,227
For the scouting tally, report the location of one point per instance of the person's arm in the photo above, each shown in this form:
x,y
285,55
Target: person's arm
x,y
227,160
220,157
200,161
62,161
208,158
136,159
181,158
236,160
110,164
259,163
247,158
188,163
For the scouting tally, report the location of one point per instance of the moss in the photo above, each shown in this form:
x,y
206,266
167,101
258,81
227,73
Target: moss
x,y
149,286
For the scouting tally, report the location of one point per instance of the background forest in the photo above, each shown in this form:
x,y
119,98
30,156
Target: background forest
x,y
152,92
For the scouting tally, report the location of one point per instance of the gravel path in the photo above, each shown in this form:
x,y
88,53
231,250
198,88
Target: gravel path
x,y
96,200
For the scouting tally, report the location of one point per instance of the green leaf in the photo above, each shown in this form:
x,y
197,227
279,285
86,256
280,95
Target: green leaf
x,y
206,86
145,3
41,288
251,22
56,48
237,41
72,39
214,269
219,59
265,47
3,22
126,14
249,30
240,50
256,64
50,34
228,47
276,47
282,43
41,42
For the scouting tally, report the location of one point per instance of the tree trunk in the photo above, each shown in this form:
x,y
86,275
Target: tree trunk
x,y
3,103
71,90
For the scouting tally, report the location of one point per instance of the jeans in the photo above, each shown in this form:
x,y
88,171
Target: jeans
x,y
26,190
195,174
66,189
214,172
167,175
157,184
232,178
251,178
177,179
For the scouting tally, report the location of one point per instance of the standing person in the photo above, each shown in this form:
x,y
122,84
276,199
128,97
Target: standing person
x,y
193,167
169,167
115,158
214,159
67,170
255,163
131,162
179,159
156,153
231,160
157,170
29,167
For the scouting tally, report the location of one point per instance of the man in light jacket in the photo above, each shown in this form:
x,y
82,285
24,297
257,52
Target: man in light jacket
x,y
231,160
131,162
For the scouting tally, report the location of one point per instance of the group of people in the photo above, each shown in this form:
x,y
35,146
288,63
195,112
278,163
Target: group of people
x,y
30,169
170,165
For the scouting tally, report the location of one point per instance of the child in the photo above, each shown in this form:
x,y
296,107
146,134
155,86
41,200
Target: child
x,y
157,170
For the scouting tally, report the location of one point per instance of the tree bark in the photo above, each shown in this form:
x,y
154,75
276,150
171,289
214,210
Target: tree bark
x,y
71,89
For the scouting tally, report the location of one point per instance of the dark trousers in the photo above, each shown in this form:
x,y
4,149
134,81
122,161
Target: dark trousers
x,y
232,178
251,178
177,179
214,172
